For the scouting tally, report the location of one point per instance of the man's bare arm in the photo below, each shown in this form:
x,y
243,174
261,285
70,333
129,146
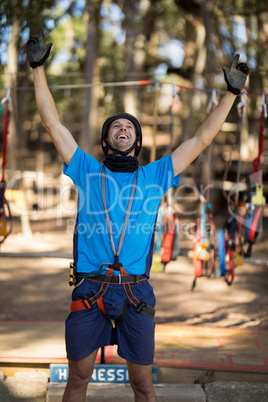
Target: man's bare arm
x,y
235,79
190,149
60,135
37,53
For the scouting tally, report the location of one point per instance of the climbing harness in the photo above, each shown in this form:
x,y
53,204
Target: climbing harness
x,y
5,213
169,228
256,198
122,278
166,246
203,234
230,247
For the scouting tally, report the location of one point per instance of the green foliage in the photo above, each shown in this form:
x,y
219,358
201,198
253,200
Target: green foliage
x,y
31,14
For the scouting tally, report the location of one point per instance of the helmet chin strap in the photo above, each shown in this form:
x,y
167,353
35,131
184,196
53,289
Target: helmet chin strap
x,y
116,151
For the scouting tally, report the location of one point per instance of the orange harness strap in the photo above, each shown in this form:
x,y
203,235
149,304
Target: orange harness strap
x,y
86,304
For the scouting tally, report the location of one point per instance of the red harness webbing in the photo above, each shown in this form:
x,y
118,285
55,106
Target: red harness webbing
x,y
86,304
254,225
257,161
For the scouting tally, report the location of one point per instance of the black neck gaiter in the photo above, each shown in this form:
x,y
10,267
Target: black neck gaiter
x,y
124,164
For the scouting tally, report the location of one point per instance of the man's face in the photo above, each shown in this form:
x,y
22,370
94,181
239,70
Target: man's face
x,y
122,135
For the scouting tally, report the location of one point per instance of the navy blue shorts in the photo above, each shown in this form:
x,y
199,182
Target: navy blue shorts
x,y
88,330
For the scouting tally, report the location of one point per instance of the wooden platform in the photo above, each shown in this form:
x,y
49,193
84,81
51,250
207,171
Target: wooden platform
x,y
29,344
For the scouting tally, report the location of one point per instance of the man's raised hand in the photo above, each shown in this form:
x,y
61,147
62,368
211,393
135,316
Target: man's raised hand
x,y
236,77
36,51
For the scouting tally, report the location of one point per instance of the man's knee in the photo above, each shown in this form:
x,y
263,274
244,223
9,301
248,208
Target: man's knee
x,y
142,386
78,378
80,371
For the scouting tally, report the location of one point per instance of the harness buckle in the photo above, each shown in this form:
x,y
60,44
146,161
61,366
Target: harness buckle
x,y
140,307
137,279
108,265
86,304
116,265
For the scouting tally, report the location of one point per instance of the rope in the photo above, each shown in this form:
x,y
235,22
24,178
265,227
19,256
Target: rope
x,y
98,84
128,83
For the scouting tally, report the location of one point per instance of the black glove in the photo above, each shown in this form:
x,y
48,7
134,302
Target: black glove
x,y
237,76
36,51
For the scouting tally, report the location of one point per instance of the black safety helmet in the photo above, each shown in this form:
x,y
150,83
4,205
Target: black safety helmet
x,y
105,129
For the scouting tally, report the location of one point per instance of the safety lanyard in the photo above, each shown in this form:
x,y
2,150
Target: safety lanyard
x,y
116,264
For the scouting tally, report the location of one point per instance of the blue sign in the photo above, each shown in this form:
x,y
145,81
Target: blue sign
x,y
101,373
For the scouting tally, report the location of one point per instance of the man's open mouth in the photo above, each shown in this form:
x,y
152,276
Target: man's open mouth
x,y
122,137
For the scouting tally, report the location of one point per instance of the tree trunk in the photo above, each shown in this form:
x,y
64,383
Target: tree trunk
x,y
194,62
134,56
92,12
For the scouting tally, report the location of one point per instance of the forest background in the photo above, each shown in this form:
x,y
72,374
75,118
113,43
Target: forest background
x,y
159,60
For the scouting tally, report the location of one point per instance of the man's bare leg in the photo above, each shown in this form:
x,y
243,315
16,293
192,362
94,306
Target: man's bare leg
x,y
80,372
140,378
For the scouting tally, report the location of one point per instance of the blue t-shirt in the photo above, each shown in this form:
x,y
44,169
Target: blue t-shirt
x,y
92,245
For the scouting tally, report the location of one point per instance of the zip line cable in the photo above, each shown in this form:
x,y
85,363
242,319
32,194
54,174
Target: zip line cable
x,y
125,83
